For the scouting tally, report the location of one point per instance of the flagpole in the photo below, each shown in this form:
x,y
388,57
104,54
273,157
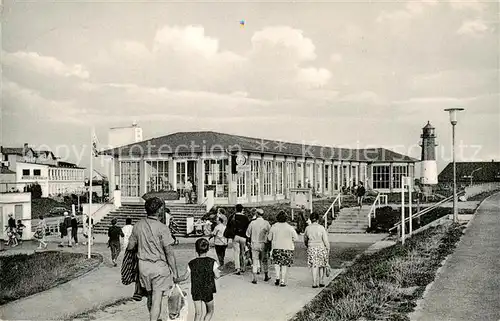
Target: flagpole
x,y
90,190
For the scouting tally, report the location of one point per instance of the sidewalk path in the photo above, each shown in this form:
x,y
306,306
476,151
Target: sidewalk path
x,y
468,286
102,287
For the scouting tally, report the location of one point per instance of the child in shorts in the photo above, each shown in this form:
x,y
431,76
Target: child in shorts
x,y
204,271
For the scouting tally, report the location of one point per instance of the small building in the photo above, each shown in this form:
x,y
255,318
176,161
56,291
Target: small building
x,y
469,173
19,205
249,170
41,167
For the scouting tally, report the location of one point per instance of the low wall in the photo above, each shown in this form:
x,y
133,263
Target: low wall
x,y
98,211
477,189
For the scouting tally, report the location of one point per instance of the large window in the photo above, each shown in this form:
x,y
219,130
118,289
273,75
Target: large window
x,y
130,178
254,177
279,178
18,212
336,178
309,176
327,177
157,176
290,169
268,177
216,171
180,176
300,175
345,176
319,176
240,185
381,176
397,172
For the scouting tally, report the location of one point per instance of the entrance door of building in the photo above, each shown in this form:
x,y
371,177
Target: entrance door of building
x,y
184,170
241,190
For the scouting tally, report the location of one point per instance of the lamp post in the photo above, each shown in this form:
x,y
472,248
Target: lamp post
x,y
472,173
453,121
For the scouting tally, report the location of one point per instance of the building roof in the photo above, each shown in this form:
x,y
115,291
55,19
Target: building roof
x,y
483,172
66,165
428,126
6,170
189,143
12,151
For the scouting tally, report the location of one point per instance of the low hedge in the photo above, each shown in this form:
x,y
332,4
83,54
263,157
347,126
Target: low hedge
x,y
387,217
271,211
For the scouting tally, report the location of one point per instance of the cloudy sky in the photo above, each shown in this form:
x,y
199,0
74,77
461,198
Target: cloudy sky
x,y
335,73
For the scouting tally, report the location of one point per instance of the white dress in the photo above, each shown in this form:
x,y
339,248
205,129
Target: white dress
x,y
127,231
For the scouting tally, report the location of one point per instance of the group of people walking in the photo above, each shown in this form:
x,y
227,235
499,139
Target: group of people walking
x,y
14,231
276,244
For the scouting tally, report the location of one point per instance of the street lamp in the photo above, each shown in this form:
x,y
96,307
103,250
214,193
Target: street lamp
x,y
453,121
472,173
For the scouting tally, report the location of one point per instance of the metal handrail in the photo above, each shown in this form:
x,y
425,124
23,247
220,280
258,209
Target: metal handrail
x,y
373,208
332,207
426,210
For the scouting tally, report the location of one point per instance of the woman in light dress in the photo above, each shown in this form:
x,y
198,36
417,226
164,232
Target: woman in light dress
x,y
318,248
40,230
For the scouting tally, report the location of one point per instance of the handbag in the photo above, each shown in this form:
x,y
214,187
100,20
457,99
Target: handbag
x,y
38,235
328,270
130,267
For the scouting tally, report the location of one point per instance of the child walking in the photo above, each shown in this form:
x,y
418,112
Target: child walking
x,y
204,271
220,241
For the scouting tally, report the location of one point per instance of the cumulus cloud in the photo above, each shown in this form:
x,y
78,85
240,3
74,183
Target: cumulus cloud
x,y
186,58
473,5
411,10
23,101
287,39
473,28
43,64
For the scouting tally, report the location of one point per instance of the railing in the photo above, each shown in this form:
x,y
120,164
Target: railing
x,y
12,187
373,208
332,207
427,210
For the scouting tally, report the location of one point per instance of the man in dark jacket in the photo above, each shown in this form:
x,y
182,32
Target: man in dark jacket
x,y
238,225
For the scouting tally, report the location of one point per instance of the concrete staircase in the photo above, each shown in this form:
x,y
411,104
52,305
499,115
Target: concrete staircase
x,y
350,220
136,211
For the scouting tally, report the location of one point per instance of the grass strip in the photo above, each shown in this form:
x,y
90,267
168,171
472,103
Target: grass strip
x,y
385,285
28,274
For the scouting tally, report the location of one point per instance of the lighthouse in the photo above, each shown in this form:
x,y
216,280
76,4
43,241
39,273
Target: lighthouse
x,y
428,173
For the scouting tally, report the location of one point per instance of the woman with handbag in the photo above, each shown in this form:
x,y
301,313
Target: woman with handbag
x,y
318,248
40,233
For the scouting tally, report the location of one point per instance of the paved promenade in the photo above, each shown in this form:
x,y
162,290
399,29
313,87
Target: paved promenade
x,y
468,285
102,287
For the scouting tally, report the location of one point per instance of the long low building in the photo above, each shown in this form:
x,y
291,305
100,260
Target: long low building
x,y
249,170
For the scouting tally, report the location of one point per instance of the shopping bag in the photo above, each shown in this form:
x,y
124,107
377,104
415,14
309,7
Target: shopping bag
x,y
328,270
177,304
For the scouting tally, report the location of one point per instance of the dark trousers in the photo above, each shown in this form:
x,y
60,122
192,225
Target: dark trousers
x,y
74,234
115,249
221,253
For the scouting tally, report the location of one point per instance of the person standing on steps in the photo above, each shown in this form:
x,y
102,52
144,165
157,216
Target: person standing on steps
x,y
257,233
360,192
